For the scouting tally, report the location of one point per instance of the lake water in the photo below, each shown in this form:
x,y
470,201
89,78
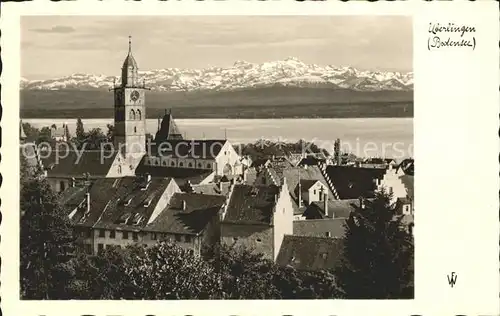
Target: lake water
x,y
365,137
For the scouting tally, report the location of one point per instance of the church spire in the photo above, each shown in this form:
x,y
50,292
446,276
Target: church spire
x,y
129,70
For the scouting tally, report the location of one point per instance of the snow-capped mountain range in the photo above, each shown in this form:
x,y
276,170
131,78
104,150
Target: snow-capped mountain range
x,y
242,75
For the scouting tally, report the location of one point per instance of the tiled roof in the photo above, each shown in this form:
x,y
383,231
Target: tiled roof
x,y
353,182
259,162
339,208
63,163
189,148
251,204
129,201
408,166
221,188
311,161
408,183
168,129
306,184
310,253
181,175
73,196
310,173
200,210
319,227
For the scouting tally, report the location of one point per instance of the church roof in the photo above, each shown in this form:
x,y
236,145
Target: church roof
x,y
167,129
129,60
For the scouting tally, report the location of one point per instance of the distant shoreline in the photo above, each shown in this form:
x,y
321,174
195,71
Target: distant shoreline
x,y
309,111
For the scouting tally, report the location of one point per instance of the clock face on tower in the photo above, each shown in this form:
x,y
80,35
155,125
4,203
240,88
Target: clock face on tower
x,y
134,95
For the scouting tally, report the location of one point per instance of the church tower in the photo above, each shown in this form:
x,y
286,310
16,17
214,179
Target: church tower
x,y
130,109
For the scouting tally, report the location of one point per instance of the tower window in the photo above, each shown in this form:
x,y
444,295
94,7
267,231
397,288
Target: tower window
x,y
138,114
181,164
135,129
190,165
131,115
172,164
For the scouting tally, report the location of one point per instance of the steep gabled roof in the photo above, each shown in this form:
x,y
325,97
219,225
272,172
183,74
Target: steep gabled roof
x,y
181,175
131,201
199,210
337,208
168,129
71,163
320,227
310,253
251,204
354,182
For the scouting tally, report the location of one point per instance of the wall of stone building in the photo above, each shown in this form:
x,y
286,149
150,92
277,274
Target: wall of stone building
x,y
118,240
314,192
282,218
392,183
256,238
167,161
227,156
189,242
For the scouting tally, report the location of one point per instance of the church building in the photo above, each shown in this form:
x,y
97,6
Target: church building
x,y
168,155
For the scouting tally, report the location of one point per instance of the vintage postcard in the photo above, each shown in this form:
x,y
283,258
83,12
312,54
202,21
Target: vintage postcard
x,y
258,156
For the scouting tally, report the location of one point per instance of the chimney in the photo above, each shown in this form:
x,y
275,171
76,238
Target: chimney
x,y
325,201
87,197
183,205
361,202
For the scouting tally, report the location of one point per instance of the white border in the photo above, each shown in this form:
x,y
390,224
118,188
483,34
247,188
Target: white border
x,y
456,149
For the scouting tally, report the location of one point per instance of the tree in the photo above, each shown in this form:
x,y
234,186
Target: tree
x,y
378,252
66,132
110,133
80,131
46,242
94,139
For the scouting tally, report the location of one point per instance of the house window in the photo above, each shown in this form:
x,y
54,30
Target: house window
x,y
209,166
135,236
177,237
187,238
314,192
62,186
124,235
112,234
328,234
259,240
119,169
153,236
235,238
102,233
100,248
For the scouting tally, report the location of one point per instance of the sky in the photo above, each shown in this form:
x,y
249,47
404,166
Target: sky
x,y
55,46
